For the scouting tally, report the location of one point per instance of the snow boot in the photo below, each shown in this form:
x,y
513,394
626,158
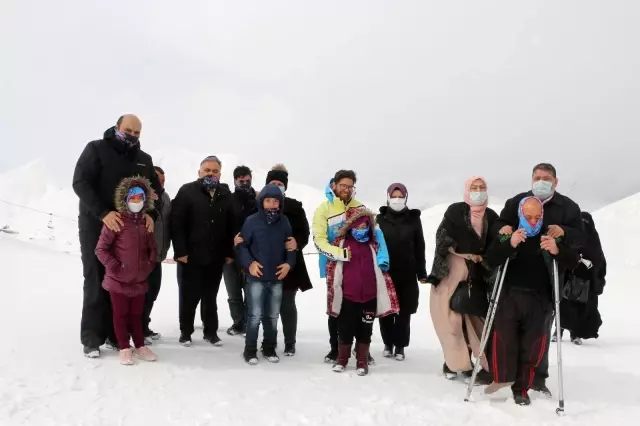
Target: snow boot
x,y
344,353
521,398
145,354
332,356
270,354
90,352
126,356
577,341
448,374
213,339
362,358
185,340
542,388
388,351
399,356
289,349
250,356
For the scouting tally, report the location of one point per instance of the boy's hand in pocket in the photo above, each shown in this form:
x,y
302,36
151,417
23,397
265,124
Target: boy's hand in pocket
x,y
283,270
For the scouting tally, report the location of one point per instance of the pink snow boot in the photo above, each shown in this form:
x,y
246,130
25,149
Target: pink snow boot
x,y
126,356
145,354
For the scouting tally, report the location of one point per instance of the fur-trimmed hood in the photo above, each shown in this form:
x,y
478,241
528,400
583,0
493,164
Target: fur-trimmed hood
x,y
122,191
354,215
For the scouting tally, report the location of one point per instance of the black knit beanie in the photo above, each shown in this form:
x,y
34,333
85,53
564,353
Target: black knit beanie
x,y
279,173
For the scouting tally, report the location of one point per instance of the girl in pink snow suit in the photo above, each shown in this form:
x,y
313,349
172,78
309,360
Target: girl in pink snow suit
x,y
129,256
358,290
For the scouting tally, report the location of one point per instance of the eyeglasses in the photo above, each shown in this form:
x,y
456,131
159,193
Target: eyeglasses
x,y
346,187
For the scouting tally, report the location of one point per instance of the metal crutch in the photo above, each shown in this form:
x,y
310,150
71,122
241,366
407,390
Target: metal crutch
x,y
491,313
556,289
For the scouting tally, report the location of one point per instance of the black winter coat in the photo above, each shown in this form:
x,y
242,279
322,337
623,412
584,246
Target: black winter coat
x,y
583,319
405,243
203,227
559,210
298,277
456,232
100,169
245,205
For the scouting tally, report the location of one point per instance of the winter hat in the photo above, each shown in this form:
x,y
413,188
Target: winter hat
x,y
400,187
136,190
278,172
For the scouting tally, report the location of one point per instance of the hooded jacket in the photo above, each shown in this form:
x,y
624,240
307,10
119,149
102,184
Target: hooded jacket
x,y
328,218
100,169
385,293
264,242
129,255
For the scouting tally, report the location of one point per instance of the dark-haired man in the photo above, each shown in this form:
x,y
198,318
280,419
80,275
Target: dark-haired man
x,y
244,197
562,219
99,170
328,218
163,242
203,224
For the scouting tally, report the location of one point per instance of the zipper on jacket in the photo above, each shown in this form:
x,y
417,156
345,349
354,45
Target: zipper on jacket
x,y
137,246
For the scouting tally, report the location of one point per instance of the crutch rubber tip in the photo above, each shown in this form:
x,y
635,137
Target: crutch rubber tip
x,y
560,411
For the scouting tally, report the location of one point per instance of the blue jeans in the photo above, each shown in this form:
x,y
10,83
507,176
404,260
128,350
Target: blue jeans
x,y
263,305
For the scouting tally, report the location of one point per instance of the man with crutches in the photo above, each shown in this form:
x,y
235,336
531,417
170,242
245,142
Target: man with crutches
x,y
520,332
562,219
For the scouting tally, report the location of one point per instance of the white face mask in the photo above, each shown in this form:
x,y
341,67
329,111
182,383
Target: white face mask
x,y
478,198
542,189
282,189
397,204
135,207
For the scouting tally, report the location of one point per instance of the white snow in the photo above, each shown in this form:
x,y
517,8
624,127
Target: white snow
x,y
45,380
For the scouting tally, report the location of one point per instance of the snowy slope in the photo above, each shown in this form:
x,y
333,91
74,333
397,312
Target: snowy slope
x,y
44,379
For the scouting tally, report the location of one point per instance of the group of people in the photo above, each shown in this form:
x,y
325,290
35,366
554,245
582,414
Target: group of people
x,y
373,264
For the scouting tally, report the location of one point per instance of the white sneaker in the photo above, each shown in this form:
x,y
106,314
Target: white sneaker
x,y
338,368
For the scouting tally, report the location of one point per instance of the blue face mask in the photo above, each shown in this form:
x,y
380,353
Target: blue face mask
x,y
271,215
360,235
530,230
542,189
210,183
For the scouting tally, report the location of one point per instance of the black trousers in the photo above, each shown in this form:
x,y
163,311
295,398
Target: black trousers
x,y
356,321
96,324
542,370
519,339
155,280
333,332
289,316
199,282
396,329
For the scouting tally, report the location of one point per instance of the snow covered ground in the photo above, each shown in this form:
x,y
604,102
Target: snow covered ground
x,y
45,380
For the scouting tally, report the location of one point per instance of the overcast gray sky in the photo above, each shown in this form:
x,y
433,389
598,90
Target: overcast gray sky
x,y
418,91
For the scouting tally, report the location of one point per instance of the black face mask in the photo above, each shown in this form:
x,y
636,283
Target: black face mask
x,y
127,139
245,188
210,183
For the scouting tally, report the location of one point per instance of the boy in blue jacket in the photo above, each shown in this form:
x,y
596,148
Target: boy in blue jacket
x,y
264,256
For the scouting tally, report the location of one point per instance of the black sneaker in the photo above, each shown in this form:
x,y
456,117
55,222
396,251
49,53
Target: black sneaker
x,y
542,388
270,354
483,378
387,352
370,359
235,330
91,352
521,399
289,349
111,345
448,374
399,355
214,340
250,356
185,340
332,356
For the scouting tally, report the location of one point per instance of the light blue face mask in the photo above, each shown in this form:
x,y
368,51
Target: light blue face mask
x,y
542,189
478,198
361,235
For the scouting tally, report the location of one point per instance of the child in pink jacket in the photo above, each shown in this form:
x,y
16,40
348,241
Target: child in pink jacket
x,y
129,256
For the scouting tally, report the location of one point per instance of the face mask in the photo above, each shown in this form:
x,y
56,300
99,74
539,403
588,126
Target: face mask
x,y
542,189
135,207
282,189
246,188
210,183
397,204
128,139
530,230
478,198
360,235
271,214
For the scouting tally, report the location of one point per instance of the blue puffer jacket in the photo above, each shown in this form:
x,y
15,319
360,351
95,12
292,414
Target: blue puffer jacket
x,y
264,242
